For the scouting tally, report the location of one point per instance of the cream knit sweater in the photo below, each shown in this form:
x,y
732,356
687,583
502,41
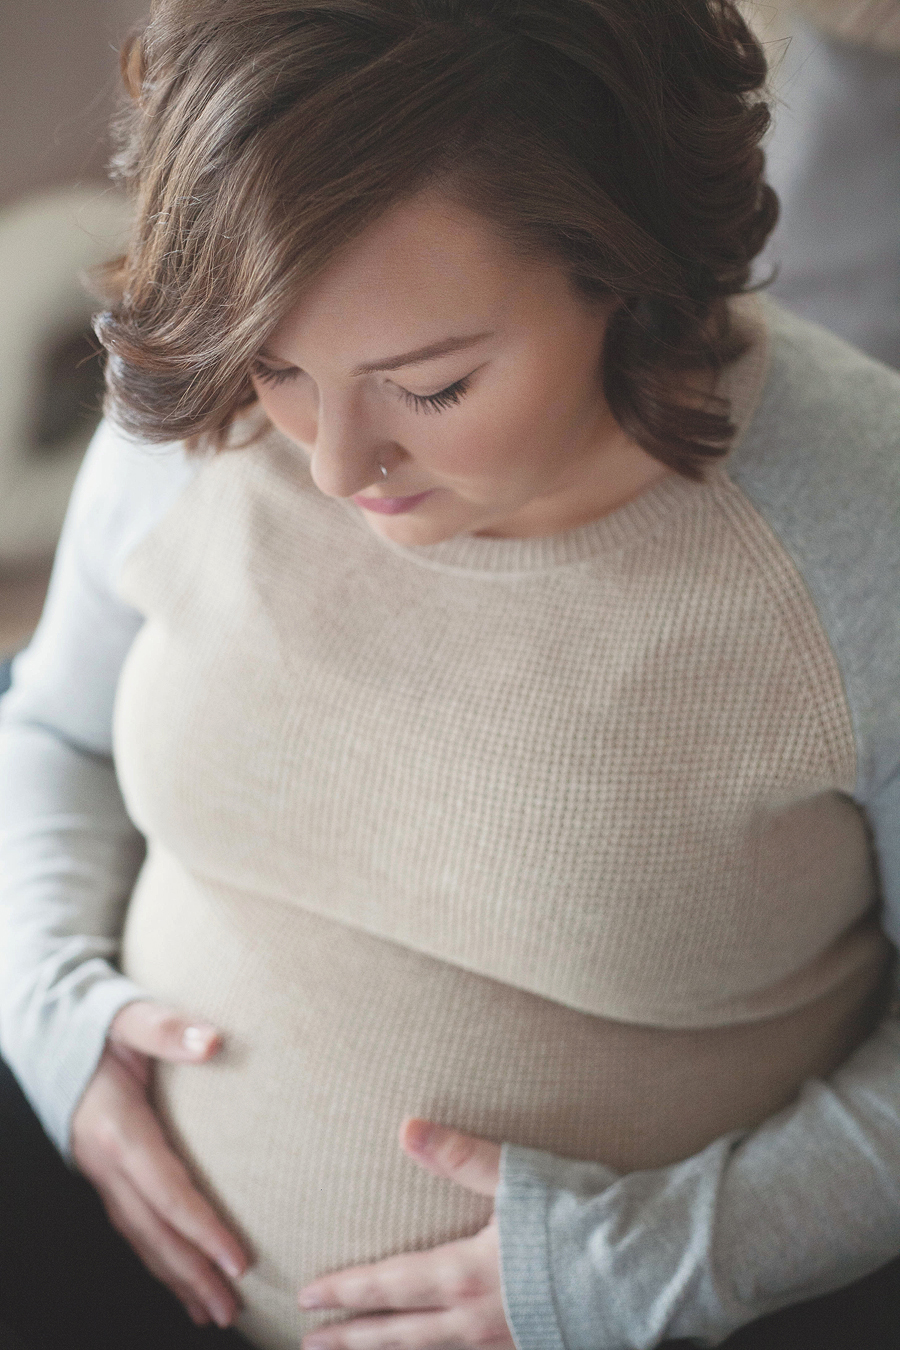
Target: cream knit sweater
x,y
561,841
546,838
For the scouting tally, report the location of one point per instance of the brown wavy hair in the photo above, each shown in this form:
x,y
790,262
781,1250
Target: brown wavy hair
x,y
620,138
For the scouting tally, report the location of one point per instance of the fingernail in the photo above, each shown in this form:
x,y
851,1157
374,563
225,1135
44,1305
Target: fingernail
x,y
315,1345
221,1314
311,1301
230,1267
196,1040
420,1135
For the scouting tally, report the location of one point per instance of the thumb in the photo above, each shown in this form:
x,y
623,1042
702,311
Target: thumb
x,y
464,1158
164,1033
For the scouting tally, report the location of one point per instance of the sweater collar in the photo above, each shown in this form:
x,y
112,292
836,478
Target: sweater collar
x,y
741,383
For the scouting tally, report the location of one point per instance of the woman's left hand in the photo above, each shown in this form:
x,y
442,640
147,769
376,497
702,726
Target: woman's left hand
x,y
448,1297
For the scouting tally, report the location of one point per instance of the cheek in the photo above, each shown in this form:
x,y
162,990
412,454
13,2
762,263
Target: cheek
x,y
292,411
516,432
488,448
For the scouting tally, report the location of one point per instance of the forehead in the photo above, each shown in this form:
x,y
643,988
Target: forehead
x,y
427,268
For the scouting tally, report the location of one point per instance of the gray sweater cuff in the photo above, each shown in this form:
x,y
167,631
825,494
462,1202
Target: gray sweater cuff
x,y
592,1260
803,1204
531,1184
54,1073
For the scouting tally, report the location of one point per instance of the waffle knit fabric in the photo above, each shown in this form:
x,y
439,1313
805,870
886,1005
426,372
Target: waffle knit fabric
x,y
586,843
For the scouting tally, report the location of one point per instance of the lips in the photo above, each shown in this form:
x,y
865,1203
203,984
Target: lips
x,y
392,506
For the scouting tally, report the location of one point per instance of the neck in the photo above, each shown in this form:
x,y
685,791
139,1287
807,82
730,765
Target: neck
x,y
614,477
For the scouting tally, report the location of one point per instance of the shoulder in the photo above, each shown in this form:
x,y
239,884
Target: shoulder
x,y
820,461
123,489
829,416
65,679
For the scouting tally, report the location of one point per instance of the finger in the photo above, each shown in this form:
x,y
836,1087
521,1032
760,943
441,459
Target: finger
x,y
161,1178
139,1066
464,1158
175,1263
195,1311
194,1308
439,1278
474,1326
115,1130
160,1031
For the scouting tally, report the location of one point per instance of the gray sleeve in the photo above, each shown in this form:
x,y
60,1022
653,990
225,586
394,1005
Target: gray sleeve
x,y
69,854
810,1200
805,1203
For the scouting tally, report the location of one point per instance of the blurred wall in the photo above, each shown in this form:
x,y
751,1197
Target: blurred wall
x,y
58,78
58,87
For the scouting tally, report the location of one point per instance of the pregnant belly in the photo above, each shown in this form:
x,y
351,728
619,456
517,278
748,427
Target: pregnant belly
x,y
332,1036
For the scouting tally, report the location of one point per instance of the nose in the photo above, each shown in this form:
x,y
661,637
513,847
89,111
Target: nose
x,y
347,450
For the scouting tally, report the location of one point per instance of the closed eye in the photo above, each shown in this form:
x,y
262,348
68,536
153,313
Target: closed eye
x,y
445,398
426,403
272,375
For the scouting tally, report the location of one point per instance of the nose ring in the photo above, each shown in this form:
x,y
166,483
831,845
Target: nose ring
x,y
383,470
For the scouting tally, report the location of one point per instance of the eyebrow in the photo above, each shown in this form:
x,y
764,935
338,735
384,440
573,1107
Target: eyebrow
x,y
429,353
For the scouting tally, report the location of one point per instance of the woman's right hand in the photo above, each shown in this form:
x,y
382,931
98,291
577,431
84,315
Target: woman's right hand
x,y
119,1144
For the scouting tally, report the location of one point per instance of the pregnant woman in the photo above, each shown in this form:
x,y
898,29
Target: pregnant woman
x,y
451,803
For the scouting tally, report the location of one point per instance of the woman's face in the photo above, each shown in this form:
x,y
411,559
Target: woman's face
x,y
468,372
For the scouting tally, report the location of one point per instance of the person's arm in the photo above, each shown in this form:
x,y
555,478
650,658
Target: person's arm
x,y
69,854
81,1037
810,1200
805,1203
68,857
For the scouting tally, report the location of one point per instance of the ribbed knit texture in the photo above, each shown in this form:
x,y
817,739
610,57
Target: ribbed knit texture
x,y
544,838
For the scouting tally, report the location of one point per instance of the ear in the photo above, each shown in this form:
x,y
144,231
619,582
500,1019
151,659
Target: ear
x,y
132,64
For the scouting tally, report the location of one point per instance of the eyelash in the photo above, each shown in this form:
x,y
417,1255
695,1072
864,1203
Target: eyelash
x,y
269,375
445,398
425,403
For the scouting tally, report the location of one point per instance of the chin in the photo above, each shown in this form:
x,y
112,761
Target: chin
x,y
412,529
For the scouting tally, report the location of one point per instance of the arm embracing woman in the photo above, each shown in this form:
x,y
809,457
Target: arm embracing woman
x,y
78,1032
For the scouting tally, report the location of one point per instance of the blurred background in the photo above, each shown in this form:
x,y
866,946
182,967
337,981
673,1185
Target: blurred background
x,y
834,157
58,86
58,62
